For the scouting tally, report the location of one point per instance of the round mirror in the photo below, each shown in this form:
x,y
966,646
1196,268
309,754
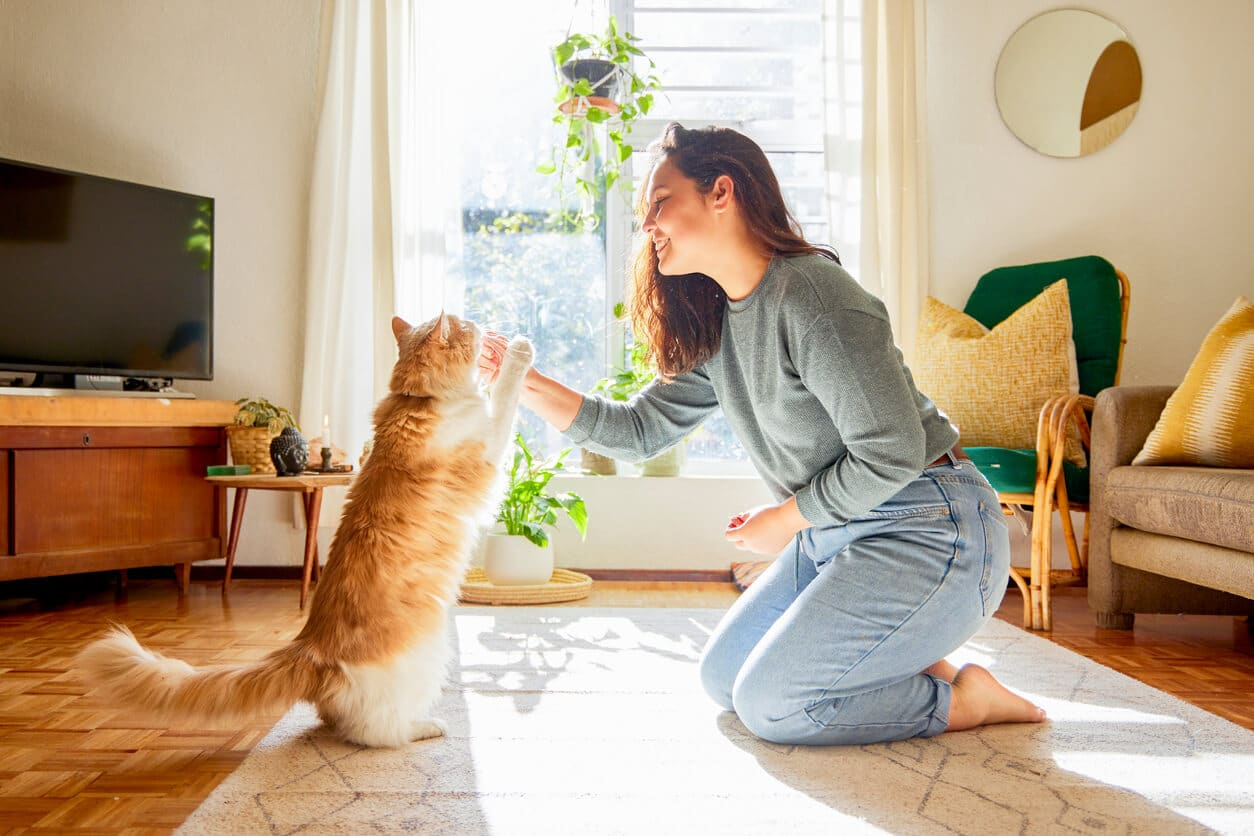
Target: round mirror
x,y
1068,82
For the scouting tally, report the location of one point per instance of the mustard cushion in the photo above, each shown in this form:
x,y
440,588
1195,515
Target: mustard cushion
x,y
1209,420
992,384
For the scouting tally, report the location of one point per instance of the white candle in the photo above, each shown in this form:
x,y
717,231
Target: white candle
x,y
326,431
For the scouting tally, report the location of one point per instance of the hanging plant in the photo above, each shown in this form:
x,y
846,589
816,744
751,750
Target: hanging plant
x,y
598,94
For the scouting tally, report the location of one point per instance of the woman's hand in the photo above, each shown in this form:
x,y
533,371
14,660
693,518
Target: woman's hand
x,y
766,529
491,355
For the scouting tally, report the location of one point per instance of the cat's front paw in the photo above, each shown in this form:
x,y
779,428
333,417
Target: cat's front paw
x,y
520,351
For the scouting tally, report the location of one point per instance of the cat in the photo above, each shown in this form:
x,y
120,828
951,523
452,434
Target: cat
x,y
374,652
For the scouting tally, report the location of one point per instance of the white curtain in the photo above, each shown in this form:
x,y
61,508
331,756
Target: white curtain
x,y
377,208
895,250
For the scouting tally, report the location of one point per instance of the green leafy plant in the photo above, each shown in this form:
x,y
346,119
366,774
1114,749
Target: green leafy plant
x,y
616,98
259,412
529,506
633,376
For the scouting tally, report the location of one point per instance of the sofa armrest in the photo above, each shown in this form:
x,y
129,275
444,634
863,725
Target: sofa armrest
x,y
1123,418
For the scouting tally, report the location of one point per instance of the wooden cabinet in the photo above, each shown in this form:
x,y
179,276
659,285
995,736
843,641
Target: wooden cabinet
x,y
108,483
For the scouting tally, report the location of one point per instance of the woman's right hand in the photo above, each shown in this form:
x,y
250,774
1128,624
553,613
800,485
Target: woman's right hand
x,y
491,355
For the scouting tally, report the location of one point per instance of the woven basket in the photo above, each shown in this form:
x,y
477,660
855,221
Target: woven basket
x,y
251,446
565,585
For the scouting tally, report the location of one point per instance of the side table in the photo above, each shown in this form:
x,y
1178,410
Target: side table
x,y
310,485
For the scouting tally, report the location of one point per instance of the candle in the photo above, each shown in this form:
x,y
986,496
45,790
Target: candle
x,y
326,431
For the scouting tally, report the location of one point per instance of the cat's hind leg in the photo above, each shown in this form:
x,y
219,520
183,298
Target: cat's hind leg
x,y
426,729
389,704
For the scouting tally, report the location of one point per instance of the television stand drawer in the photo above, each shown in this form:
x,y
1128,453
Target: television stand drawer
x,y
91,498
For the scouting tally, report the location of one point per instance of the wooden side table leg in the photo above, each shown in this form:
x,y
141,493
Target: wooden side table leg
x,y
182,577
313,507
237,517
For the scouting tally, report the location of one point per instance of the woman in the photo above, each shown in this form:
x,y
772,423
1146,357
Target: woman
x,y
892,547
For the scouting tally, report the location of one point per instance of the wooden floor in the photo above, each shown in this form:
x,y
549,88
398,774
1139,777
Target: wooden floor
x,y
69,761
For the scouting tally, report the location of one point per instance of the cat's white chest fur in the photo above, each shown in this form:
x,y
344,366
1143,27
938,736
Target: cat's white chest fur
x,y
462,420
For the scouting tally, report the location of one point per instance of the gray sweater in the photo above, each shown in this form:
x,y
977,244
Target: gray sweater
x,y
811,384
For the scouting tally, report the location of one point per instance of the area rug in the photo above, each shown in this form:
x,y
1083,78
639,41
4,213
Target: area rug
x,y
592,721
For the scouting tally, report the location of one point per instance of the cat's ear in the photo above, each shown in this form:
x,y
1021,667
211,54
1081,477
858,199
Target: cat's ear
x,y
443,327
400,328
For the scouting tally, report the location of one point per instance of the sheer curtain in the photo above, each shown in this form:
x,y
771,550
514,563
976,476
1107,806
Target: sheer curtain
x,y
377,217
894,224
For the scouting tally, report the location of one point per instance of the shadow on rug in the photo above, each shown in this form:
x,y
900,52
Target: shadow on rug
x,y
592,721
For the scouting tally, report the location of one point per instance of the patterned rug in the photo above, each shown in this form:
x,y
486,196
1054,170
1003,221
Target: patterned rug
x,y
592,721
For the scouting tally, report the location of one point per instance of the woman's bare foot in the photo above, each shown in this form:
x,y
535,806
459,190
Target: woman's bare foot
x,y
978,699
944,669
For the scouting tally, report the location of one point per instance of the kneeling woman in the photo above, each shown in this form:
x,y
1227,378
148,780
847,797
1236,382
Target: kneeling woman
x,y
891,546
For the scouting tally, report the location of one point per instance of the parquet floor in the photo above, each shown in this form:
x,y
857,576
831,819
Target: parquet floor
x,y
70,762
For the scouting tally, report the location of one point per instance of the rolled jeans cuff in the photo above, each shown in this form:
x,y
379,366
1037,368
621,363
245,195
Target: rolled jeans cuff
x,y
939,720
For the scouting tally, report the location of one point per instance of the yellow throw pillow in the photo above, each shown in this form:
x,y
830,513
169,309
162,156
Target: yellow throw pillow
x,y
992,384
1209,419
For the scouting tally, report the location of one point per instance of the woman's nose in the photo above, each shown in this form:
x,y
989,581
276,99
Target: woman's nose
x,y
650,221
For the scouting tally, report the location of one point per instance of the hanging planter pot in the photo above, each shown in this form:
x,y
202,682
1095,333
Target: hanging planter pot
x,y
599,74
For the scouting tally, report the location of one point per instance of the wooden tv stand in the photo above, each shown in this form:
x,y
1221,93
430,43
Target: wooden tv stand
x,y
95,483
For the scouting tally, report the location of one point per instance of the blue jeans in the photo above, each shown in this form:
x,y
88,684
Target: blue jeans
x,y
828,645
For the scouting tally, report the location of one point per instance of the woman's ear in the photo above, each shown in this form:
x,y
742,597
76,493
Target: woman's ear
x,y
722,193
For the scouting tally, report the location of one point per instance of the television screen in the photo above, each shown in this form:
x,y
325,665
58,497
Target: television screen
x,y
103,277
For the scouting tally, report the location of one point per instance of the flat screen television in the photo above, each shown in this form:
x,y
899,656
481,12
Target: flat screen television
x,y
103,278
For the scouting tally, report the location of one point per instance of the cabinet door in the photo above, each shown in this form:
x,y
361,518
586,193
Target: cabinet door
x,y
98,498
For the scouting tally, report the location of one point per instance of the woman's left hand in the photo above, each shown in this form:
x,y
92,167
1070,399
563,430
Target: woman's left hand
x,y
766,529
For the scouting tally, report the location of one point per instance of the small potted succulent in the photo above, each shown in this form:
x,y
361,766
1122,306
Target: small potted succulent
x,y
256,422
520,552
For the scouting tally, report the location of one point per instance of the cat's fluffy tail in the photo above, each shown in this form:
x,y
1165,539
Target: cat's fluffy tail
x,y
129,673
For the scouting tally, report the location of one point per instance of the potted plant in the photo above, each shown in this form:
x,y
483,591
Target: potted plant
x,y
597,85
521,553
637,373
256,422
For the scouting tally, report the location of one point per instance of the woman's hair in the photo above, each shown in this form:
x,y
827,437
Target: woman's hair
x,y
681,317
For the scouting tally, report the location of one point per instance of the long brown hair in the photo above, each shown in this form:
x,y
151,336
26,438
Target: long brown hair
x,y
681,317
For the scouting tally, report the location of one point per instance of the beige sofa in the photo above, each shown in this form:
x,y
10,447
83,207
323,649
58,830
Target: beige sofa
x,y
1163,539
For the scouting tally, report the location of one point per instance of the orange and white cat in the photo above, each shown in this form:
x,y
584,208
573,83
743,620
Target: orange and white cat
x,y
373,653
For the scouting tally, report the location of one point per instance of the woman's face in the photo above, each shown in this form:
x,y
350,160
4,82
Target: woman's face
x,y
679,223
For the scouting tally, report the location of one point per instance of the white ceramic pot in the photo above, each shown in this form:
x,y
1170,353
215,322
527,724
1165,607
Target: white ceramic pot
x,y
513,560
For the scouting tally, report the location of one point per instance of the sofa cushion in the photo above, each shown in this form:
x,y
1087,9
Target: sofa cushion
x,y
1205,504
1201,564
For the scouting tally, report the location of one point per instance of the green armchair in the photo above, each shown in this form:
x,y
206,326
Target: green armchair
x,y
1041,479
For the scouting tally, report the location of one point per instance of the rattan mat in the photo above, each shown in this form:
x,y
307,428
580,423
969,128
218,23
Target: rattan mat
x,y
565,585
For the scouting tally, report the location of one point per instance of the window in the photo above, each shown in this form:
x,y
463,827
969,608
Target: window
x,y
753,66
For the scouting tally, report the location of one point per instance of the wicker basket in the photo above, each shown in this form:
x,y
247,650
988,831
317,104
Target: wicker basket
x,y
565,585
251,446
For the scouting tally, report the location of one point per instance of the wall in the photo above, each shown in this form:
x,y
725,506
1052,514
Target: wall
x,y
215,98
1167,202
219,98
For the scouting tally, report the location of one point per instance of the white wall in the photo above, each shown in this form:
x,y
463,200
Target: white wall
x,y
219,98
215,97
1168,202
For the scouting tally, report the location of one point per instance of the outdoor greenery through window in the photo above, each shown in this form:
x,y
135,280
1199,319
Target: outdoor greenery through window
x,y
756,67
